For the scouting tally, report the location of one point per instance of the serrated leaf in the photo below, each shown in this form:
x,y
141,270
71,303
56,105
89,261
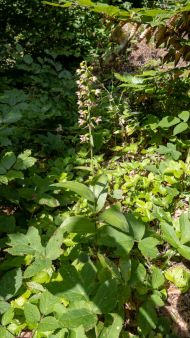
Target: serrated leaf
x,y
147,246
79,188
180,128
31,313
53,248
115,218
157,278
106,296
38,265
10,283
136,226
100,191
184,115
169,234
48,324
78,224
184,228
75,318
47,302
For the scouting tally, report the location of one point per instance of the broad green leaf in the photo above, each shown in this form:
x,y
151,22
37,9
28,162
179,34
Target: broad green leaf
x,y
168,121
136,226
79,332
61,334
4,333
48,324
7,317
4,306
31,313
115,218
53,248
111,237
106,296
184,250
48,200
10,283
79,188
157,299
38,265
75,318
47,303
88,275
100,191
24,161
125,269
7,162
180,128
157,278
184,115
179,276
184,228
78,224
113,326
169,234
147,318
110,266
147,246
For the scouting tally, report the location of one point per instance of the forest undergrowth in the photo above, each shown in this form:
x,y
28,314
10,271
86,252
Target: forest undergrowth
x,y
94,169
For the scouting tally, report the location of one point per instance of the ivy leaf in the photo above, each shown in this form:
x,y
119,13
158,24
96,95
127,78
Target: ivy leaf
x,y
53,249
115,218
106,296
180,128
184,228
10,283
48,324
147,246
74,318
79,188
31,313
136,226
47,302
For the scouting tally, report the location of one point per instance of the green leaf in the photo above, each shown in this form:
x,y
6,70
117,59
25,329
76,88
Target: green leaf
x,y
78,224
179,276
115,218
78,188
184,228
5,333
79,332
24,161
113,326
184,250
106,296
157,299
100,191
7,317
38,265
110,266
4,306
111,237
147,246
7,162
48,324
47,303
169,234
136,226
31,313
157,278
10,283
180,128
53,248
168,121
76,317
184,115
48,200
147,318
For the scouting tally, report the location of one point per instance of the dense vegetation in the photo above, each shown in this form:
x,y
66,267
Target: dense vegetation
x,y
94,168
